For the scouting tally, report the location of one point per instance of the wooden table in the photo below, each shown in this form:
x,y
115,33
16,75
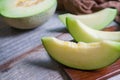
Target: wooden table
x,y
22,56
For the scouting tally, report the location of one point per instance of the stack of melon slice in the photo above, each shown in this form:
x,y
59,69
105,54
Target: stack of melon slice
x,y
102,50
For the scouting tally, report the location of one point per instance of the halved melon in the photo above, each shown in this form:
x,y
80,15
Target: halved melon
x,y
81,32
85,56
27,14
97,20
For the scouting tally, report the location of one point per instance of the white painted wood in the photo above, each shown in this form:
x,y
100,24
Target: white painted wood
x,y
37,66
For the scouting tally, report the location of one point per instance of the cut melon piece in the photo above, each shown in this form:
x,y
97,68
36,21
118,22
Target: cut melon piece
x,y
27,14
81,32
97,20
85,56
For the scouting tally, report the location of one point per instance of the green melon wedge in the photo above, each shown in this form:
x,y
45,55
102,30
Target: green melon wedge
x,y
85,56
81,32
97,20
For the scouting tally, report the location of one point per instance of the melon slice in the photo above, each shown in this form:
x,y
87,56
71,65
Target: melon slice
x,y
81,32
97,20
85,56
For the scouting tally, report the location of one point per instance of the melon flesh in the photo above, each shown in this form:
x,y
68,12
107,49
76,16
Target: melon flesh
x,y
81,32
30,22
86,56
10,8
27,17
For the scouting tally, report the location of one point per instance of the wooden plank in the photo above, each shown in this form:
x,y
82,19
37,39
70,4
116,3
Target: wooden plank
x,y
101,74
35,65
22,56
15,42
9,64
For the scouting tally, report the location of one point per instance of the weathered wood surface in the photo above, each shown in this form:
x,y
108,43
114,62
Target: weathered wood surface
x,y
22,56
14,42
101,74
36,66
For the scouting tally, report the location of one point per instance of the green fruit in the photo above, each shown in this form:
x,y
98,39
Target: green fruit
x,y
81,32
27,14
97,20
85,56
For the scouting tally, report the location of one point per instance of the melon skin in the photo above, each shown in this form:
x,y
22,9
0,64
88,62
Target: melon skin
x,y
31,21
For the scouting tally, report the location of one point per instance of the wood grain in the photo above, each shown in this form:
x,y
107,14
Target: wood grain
x,y
15,44
101,74
34,62
22,56
35,66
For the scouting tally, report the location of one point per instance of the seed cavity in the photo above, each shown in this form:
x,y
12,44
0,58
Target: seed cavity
x,y
27,3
